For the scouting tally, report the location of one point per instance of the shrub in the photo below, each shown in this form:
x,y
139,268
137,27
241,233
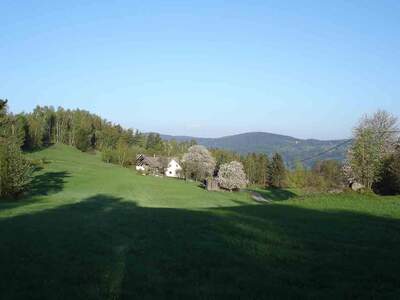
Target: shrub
x,y
15,170
389,179
108,155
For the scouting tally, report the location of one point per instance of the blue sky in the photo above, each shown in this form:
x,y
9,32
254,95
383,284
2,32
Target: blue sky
x,y
308,69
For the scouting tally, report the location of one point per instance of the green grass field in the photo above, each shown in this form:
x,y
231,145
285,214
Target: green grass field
x,y
90,230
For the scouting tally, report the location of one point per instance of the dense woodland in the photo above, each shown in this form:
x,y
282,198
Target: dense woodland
x,y
373,159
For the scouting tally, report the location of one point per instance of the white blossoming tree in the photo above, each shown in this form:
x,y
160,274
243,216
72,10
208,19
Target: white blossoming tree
x,y
374,139
231,176
198,163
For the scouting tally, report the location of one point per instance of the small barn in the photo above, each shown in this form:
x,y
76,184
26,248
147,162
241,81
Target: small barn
x,y
211,184
148,164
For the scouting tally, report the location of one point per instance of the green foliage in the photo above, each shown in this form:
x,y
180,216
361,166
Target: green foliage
x,y
389,177
124,155
277,172
374,140
255,165
34,139
79,128
222,156
365,158
82,139
331,171
256,168
86,131
298,178
154,143
14,168
109,155
324,176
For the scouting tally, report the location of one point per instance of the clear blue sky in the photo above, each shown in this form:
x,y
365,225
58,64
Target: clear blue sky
x,y
207,68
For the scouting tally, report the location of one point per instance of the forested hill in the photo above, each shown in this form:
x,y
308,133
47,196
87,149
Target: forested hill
x,y
262,142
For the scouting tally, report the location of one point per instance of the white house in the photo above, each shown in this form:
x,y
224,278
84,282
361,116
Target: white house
x,y
173,169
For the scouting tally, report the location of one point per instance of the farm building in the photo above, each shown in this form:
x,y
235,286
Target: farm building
x,y
158,165
148,164
173,169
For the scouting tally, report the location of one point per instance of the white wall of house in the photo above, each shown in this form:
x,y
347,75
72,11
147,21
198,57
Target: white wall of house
x,y
173,169
140,168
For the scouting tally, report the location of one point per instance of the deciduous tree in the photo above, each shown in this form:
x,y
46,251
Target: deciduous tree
x,y
198,163
374,139
231,176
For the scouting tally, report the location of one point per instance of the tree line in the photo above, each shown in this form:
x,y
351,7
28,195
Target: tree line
x,y
373,162
266,171
88,132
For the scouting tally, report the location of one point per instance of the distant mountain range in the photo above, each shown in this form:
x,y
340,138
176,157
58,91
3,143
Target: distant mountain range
x,y
291,148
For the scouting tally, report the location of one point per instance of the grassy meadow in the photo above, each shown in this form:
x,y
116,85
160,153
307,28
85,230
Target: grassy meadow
x,y
90,230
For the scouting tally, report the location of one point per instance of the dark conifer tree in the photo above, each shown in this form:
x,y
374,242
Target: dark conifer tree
x,y
277,172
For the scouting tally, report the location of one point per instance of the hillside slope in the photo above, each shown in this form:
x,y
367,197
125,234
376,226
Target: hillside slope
x,y
70,175
90,230
291,148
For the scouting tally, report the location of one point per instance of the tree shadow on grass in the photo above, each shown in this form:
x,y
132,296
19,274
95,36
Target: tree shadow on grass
x,y
41,185
275,194
109,248
39,149
39,164
47,183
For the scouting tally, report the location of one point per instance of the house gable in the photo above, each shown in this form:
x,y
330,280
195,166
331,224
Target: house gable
x,y
173,169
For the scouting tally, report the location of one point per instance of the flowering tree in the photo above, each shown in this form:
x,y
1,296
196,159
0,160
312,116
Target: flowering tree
x,y
231,176
198,163
374,139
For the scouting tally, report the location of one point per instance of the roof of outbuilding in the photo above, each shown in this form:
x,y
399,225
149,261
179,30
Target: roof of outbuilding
x,y
153,162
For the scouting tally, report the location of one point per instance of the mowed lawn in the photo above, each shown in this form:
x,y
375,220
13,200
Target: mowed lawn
x,y
90,230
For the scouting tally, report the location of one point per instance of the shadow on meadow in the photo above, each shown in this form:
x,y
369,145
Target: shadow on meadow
x,y
42,184
48,183
108,248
